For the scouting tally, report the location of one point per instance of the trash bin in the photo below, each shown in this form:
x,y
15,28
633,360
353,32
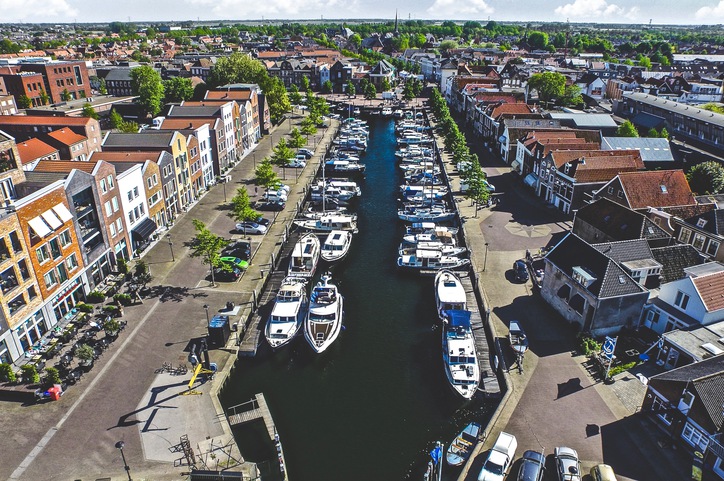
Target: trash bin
x,y
219,331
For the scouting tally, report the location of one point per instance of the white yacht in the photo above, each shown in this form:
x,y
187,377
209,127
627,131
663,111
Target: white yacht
x,y
287,316
458,353
324,318
449,293
329,222
305,256
336,246
429,260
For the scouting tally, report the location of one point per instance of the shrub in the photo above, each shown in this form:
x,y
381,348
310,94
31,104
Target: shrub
x,y
122,266
112,326
95,297
111,310
30,374
123,299
6,373
52,376
621,368
84,353
83,307
587,344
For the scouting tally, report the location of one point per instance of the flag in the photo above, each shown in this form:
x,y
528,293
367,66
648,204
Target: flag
x,y
436,454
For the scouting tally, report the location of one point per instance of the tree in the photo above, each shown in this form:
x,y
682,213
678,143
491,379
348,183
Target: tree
x,y
448,45
408,91
265,175
147,84
306,85
351,91
89,111
294,96
706,178
142,274
549,85
627,129
644,62
65,95
664,134
652,133
370,92
207,246
102,87
713,108
296,140
44,97
327,87
117,122
355,40
178,89
538,40
572,96
477,190
116,119
309,127
151,33
241,210
282,153
24,101
385,85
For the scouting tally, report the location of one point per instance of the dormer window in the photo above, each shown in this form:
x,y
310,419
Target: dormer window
x,y
583,276
664,189
701,223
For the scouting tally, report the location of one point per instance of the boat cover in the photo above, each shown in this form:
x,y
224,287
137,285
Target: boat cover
x,y
458,317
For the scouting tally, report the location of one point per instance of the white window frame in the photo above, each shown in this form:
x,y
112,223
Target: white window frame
x,y
695,436
682,300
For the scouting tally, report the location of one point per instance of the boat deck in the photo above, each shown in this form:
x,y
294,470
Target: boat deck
x,y
488,379
255,331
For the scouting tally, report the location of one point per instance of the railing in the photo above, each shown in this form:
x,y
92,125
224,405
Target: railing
x,y
716,445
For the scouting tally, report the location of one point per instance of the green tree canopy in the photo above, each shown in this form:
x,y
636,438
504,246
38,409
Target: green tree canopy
x,y
147,84
549,85
448,45
294,96
627,129
265,175
282,154
207,246
370,92
89,111
306,84
351,90
327,87
538,40
178,89
706,178
241,210
296,139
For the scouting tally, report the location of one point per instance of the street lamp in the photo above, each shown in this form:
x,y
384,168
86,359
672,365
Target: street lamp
x,y
485,262
170,246
253,156
206,308
119,446
224,183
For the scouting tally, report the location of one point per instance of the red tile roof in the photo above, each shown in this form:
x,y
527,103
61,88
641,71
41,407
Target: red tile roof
x,y
605,168
644,189
43,120
562,157
66,136
33,149
512,108
64,166
711,290
228,95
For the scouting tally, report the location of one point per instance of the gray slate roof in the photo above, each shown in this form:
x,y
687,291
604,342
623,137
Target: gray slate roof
x,y
152,139
674,259
119,74
194,111
625,251
677,107
652,149
596,121
618,221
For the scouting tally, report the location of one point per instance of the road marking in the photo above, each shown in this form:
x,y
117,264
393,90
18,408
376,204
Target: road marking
x,y
25,464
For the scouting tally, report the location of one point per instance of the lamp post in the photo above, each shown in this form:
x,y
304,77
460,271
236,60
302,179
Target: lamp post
x,y
206,308
253,157
224,189
485,261
170,246
119,446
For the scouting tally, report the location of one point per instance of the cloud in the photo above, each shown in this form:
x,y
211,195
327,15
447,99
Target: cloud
x,y
28,10
268,8
450,8
595,9
711,13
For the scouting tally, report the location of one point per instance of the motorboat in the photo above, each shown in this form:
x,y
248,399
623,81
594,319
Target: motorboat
x,y
438,191
431,260
518,339
440,234
305,256
288,313
324,318
408,138
329,222
428,228
336,246
426,214
462,446
444,249
449,293
386,112
458,353
348,167
319,191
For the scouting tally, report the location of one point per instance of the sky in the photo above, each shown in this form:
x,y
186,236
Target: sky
x,y
604,11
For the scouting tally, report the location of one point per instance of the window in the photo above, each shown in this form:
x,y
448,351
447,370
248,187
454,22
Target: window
x,y
660,406
131,218
55,248
42,253
684,235
113,229
148,182
620,194
155,179
610,189
71,262
698,242
681,301
31,293
696,438
135,192
114,202
130,195
712,248
50,279
65,238
141,209
24,272
119,225
110,181
104,187
109,209
62,273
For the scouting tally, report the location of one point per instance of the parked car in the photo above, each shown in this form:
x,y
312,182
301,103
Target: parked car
x,y
263,221
520,271
603,472
275,195
282,187
250,228
308,154
567,464
240,249
499,459
532,466
227,275
277,205
298,162
237,262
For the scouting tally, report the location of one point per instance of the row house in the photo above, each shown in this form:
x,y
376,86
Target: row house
x,y
513,130
202,67
71,146
651,189
234,118
291,71
567,179
118,81
491,118
11,173
382,72
592,86
35,150
536,144
478,99
701,226
135,206
685,121
258,101
24,127
158,179
616,87
340,73
172,142
205,136
250,101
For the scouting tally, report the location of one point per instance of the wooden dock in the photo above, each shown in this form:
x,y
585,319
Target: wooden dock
x,y
255,409
488,378
255,330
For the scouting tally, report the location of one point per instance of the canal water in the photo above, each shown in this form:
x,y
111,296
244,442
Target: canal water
x,y
372,406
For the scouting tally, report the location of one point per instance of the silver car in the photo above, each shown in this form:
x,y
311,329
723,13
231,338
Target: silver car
x,y
567,464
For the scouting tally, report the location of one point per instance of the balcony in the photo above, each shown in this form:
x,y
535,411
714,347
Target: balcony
x,y
16,304
8,281
7,161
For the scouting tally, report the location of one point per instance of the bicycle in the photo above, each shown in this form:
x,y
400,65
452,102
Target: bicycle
x,y
166,367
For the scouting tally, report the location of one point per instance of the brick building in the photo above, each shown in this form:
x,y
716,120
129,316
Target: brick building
x,y
24,127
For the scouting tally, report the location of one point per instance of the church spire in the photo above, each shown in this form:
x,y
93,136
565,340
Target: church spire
x,y
396,31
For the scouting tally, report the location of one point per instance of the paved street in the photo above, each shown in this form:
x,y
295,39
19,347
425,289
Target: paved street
x,y
122,398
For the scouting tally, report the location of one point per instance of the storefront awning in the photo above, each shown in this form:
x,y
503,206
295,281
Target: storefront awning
x,y
529,180
144,229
